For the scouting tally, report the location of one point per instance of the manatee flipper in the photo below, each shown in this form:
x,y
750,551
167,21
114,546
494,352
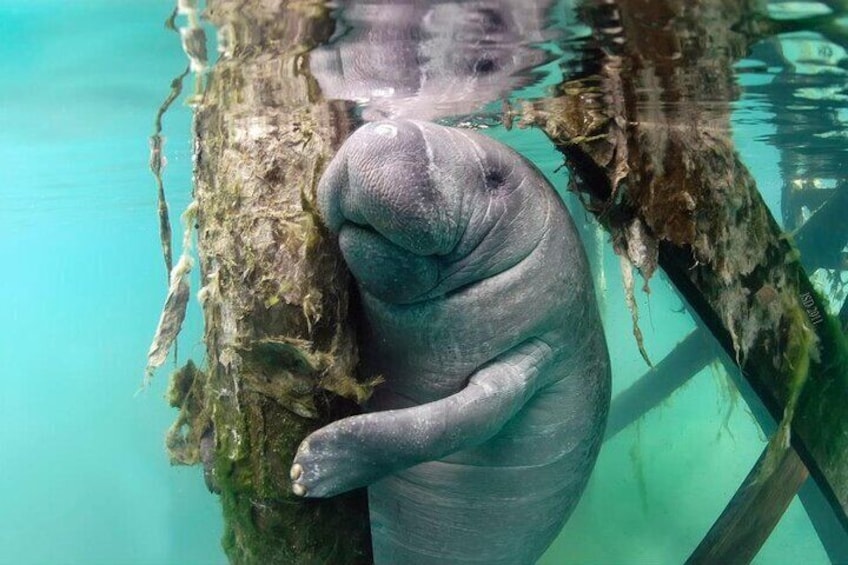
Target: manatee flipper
x,y
356,451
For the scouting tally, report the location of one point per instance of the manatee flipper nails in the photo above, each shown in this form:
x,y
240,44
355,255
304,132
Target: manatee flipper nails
x,y
333,459
295,473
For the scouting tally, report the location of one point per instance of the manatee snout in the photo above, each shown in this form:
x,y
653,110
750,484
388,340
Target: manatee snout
x,y
422,210
393,220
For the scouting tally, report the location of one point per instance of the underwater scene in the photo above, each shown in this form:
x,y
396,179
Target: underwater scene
x,y
208,258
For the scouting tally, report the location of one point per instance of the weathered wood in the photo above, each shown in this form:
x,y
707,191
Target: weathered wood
x,y
647,136
752,513
280,353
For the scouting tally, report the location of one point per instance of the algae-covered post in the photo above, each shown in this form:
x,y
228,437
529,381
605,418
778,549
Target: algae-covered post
x,y
280,355
646,132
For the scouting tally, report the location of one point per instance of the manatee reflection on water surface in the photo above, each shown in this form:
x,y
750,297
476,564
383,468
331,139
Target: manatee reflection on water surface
x,y
427,60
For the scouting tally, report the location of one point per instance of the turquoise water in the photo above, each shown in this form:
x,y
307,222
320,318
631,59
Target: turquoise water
x,y
84,477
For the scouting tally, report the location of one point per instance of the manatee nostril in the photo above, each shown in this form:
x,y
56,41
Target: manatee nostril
x,y
494,180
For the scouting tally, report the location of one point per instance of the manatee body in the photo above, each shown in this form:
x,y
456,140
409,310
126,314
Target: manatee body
x,y
480,314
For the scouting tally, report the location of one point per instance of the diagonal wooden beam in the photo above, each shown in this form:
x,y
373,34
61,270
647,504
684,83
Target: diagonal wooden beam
x,y
689,356
753,512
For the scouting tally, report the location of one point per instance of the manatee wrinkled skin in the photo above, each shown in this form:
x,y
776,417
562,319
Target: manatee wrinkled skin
x,y
480,314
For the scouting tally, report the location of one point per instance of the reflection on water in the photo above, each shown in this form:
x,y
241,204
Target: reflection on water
x,y
798,77
426,60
